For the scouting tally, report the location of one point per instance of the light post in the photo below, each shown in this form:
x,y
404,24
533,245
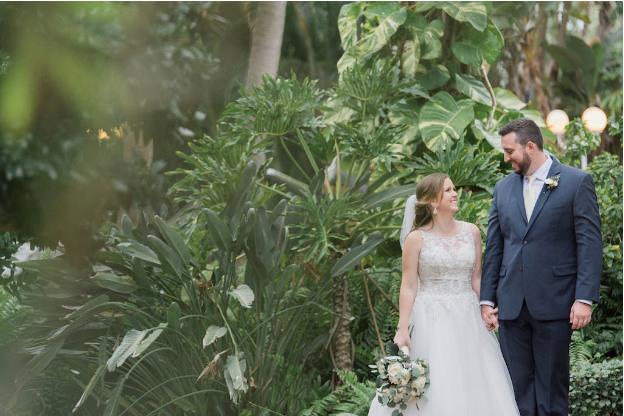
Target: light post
x,y
556,122
593,118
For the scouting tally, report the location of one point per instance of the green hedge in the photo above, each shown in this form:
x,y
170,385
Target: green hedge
x,y
596,388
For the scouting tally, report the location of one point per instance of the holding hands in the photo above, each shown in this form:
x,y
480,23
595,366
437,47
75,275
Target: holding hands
x,y
489,316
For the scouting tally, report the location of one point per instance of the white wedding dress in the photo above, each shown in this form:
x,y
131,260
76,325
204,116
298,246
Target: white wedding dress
x,y
466,368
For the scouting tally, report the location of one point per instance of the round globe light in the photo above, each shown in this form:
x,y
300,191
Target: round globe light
x,y
594,119
556,121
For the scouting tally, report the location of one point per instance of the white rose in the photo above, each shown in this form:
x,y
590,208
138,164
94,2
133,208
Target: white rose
x,y
394,372
404,377
420,382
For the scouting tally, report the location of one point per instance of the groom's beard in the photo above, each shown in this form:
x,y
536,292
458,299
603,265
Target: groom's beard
x,y
524,165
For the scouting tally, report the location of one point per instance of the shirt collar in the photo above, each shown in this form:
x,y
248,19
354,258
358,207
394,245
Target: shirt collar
x,y
542,172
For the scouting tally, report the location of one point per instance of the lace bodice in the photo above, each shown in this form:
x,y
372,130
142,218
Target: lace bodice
x,y
446,263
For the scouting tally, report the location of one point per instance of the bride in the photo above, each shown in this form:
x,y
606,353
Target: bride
x,y
439,315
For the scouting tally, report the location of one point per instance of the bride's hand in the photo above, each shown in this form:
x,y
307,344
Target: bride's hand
x,y
402,338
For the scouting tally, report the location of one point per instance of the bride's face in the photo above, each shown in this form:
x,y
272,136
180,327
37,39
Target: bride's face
x,y
448,200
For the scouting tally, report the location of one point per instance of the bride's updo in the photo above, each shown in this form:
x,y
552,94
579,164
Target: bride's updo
x,y
428,190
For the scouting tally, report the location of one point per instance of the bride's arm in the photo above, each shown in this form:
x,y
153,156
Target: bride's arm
x,y
409,280
476,273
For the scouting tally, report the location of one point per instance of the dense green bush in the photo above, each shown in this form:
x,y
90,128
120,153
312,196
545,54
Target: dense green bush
x,y
596,389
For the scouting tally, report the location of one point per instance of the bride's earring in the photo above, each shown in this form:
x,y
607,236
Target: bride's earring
x,y
435,210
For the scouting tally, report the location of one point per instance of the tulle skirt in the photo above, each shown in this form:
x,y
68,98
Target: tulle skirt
x,y
466,368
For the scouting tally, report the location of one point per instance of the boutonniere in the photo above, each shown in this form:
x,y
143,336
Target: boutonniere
x,y
553,182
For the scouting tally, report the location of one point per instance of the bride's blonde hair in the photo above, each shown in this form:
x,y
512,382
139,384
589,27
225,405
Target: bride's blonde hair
x,y
428,190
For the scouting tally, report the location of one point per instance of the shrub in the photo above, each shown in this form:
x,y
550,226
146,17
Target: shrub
x,y
596,389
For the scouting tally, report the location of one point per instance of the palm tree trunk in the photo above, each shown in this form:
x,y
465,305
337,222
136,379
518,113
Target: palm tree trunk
x,y
342,343
266,41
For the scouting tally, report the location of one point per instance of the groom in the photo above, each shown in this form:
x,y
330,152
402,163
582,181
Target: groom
x,y
541,269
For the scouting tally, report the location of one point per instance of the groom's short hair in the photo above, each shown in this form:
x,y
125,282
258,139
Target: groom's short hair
x,y
526,131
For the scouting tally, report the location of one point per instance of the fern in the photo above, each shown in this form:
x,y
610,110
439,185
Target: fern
x,y
352,397
580,350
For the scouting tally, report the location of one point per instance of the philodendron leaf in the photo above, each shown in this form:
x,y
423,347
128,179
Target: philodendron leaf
x,y
472,12
410,57
244,295
212,334
442,120
473,88
347,23
508,99
380,35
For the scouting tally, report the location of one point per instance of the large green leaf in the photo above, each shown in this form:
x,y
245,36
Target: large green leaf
x,y
380,35
113,401
468,53
428,33
218,230
381,9
40,361
472,88
471,12
347,23
586,56
433,77
410,57
355,254
293,185
99,374
492,42
174,239
117,283
168,257
442,119
481,132
139,251
508,99
474,46
387,195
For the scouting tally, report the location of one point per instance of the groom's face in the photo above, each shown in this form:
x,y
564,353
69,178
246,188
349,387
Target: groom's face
x,y
515,154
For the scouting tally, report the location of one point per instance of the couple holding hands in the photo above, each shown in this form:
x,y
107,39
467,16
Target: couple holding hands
x,y
536,283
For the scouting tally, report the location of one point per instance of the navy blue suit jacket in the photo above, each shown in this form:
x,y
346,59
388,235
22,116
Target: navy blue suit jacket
x,y
549,261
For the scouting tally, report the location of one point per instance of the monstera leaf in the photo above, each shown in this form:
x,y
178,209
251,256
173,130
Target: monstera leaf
x,y
443,120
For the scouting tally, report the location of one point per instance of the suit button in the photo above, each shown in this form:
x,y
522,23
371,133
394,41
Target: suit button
x,y
524,242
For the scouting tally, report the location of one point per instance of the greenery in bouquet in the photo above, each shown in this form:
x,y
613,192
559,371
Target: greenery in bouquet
x,y
400,380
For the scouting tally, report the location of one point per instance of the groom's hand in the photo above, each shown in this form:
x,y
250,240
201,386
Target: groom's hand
x,y
580,315
489,316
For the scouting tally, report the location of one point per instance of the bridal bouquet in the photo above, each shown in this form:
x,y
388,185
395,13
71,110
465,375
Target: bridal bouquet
x,y
400,380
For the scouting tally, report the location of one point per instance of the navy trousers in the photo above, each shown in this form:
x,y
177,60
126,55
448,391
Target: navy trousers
x,y
538,359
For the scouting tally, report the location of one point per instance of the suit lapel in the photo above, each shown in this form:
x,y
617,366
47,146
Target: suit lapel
x,y
543,195
518,195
